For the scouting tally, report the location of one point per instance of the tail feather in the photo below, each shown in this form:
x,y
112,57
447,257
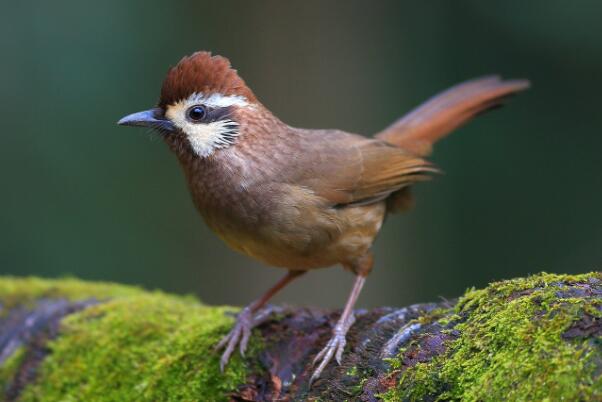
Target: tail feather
x,y
417,131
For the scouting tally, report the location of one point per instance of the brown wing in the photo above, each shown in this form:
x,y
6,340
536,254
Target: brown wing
x,y
417,131
387,169
350,169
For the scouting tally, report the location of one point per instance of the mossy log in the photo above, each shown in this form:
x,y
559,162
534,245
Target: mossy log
x,y
537,338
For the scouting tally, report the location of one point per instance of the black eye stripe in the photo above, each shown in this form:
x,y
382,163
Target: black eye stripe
x,y
221,113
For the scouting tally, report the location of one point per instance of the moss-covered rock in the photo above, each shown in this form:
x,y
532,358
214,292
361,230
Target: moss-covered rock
x,y
15,291
531,339
538,338
132,346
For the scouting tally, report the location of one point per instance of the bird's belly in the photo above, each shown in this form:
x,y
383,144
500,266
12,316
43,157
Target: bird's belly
x,y
277,248
319,239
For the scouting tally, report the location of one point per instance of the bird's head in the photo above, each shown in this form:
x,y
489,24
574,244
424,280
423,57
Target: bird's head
x,y
200,104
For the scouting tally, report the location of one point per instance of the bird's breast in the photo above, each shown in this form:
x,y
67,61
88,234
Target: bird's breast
x,y
279,223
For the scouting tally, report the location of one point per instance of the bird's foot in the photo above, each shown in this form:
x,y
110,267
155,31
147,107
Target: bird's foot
x,y
335,347
241,332
238,335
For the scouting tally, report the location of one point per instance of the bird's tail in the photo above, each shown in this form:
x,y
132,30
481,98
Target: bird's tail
x,y
418,130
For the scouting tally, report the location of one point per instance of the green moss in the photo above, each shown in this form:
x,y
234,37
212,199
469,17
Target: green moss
x,y
354,380
510,347
24,291
9,368
137,346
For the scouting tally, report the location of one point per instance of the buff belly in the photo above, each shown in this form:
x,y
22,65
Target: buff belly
x,y
336,236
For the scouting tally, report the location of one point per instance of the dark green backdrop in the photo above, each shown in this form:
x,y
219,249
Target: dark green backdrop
x,y
83,197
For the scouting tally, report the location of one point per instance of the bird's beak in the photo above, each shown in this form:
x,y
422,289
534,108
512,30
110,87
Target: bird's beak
x,y
153,118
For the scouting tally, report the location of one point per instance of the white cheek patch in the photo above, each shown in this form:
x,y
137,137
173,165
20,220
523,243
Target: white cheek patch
x,y
205,138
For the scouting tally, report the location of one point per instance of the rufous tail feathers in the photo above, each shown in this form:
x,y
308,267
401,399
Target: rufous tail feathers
x,y
418,130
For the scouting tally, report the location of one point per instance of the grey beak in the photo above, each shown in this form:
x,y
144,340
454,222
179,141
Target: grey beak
x,y
152,118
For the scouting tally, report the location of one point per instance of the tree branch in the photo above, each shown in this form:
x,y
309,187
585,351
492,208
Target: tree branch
x,y
524,339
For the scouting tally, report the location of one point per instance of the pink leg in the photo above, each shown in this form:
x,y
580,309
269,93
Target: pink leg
x,y
336,345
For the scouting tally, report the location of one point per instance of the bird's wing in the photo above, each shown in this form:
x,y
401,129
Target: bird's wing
x,y
349,169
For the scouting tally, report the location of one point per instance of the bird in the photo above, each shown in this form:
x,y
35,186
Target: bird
x,y
294,198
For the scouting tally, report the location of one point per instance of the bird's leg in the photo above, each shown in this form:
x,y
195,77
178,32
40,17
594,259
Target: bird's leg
x,y
336,345
246,320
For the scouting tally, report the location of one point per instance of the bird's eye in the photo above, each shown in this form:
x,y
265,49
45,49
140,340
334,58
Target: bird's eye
x,y
196,113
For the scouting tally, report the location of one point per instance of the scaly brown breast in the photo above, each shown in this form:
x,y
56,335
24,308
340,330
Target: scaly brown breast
x,y
281,224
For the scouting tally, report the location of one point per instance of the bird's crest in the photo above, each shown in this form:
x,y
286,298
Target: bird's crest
x,y
203,74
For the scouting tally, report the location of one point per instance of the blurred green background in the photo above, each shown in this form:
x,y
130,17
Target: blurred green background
x,y
84,197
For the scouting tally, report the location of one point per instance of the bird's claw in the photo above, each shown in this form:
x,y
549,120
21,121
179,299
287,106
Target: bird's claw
x,y
335,347
240,334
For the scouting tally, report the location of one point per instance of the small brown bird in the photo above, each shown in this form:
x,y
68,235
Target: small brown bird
x,y
295,198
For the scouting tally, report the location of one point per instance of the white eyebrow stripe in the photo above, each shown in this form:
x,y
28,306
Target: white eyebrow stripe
x,y
206,137
218,100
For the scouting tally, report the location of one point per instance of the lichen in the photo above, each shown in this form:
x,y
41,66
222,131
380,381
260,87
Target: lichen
x,y
509,345
134,346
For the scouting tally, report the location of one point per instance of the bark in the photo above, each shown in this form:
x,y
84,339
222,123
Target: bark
x,y
533,338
